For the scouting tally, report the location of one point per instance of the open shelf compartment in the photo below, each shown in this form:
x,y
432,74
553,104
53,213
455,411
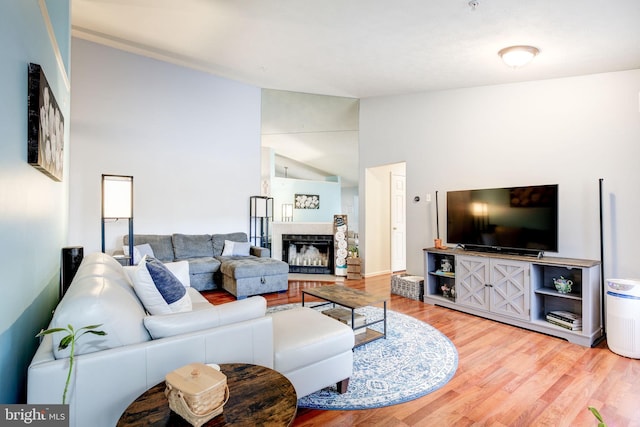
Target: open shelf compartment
x,y
439,282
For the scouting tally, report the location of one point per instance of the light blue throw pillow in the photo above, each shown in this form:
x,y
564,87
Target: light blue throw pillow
x,y
232,248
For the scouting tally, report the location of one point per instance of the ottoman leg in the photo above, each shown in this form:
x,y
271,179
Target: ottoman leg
x,y
343,385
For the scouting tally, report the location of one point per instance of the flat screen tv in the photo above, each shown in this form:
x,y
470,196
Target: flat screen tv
x,y
516,219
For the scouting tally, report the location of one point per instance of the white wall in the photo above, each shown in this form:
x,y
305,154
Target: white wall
x,y
350,201
569,131
191,140
319,131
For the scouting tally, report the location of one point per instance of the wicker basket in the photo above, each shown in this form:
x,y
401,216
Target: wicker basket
x,y
196,392
408,286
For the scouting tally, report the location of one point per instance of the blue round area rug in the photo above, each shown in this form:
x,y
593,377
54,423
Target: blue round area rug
x,y
414,360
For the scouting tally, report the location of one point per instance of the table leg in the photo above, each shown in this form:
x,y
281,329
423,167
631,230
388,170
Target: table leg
x,y
385,320
353,319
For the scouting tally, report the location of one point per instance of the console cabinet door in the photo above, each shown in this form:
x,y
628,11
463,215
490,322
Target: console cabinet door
x,y
510,288
472,279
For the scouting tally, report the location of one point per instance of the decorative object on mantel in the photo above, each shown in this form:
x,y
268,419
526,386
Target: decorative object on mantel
x,y
117,203
45,136
307,201
287,212
340,244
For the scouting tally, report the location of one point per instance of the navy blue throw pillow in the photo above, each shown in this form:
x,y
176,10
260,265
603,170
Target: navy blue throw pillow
x,y
167,284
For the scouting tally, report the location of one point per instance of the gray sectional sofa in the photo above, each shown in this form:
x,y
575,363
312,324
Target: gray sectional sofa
x,y
252,274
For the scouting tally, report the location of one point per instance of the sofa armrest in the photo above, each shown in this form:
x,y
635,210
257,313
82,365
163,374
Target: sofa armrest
x,y
123,373
260,252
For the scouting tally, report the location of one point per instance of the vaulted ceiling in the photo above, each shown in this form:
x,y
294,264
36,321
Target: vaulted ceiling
x,y
367,48
364,48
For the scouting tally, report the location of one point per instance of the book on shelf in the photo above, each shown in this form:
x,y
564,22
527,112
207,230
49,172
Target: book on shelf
x,y
445,273
566,316
562,324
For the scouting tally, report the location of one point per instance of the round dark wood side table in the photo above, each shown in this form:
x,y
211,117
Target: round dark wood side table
x,y
257,396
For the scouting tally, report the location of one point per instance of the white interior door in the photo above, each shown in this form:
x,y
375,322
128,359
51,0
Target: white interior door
x,y
398,223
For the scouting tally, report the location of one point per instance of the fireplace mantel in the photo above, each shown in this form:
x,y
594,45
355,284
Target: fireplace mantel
x,y
280,228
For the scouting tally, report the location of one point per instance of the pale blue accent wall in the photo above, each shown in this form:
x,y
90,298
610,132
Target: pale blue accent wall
x,y
285,189
33,207
59,16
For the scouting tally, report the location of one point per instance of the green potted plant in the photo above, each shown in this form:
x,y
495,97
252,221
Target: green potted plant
x,y
353,252
596,414
73,336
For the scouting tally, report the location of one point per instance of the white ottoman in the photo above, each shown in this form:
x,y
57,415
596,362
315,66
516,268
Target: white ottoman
x,y
312,350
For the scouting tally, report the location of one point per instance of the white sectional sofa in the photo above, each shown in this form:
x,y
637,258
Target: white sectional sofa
x,y
140,349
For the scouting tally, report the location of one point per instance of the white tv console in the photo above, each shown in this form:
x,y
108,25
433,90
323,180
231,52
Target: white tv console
x,y
517,290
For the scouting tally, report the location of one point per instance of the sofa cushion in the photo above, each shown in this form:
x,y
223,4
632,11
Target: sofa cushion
x,y
257,285
160,244
192,246
203,265
260,252
159,290
294,345
180,269
198,302
139,251
100,294
168,325
205,316
251,266
232,248
218,241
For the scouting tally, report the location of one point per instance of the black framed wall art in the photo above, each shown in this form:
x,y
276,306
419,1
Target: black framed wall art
x,y
45,137
307,201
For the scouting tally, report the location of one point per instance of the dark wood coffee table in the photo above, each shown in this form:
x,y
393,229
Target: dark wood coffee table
x,y
257,396
352,299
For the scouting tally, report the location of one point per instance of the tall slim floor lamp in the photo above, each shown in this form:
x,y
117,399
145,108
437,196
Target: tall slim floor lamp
x,y
117,203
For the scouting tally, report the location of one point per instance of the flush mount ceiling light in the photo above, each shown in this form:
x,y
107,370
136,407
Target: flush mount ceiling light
x,y
518,56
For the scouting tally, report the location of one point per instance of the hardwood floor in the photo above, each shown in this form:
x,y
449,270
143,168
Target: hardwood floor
x,y
506,376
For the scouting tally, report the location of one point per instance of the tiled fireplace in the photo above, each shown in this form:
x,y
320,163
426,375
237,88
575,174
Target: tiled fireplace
x,y
308,253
